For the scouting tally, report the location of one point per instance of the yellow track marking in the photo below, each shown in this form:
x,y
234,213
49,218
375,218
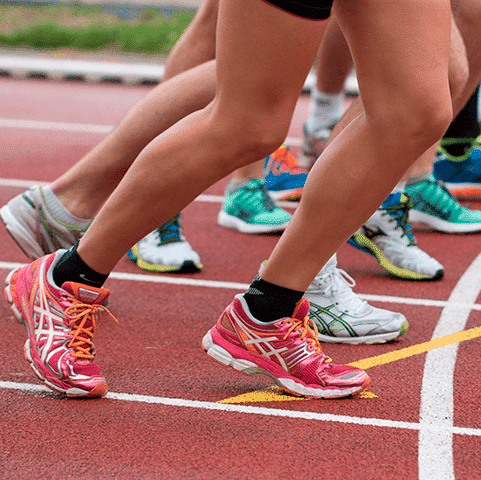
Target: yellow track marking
x,y
417,349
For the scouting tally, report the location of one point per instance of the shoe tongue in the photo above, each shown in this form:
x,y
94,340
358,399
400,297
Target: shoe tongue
x,y
302,309
86,293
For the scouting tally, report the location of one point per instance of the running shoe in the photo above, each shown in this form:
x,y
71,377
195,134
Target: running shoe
x,y
313,144
460,175
283,177
166,250
341,316
287,351
60,323
388,237
434,206
37,229
250,209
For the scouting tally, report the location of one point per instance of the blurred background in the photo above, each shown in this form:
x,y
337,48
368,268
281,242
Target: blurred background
x,y
94,28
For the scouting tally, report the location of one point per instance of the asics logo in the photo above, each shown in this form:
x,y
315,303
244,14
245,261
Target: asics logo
x,y
48,322
316,314
287,357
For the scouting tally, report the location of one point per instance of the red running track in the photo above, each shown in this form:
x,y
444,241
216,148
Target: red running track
x,y
162,420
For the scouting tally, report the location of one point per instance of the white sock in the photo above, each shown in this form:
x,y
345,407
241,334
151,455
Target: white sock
x,y
325,110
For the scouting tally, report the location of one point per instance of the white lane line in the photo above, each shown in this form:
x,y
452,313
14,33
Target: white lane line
x,y
81,128
55,126
437,405
191,282
272,412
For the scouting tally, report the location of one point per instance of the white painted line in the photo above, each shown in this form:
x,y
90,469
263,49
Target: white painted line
x,y
55,126
84,128
435,456
270,412
15,183
192,282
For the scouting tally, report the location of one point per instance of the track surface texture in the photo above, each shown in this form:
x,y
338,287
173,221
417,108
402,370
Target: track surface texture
x,y
162,418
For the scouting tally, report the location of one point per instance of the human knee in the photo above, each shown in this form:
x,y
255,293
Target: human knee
x,y
251,137
416,123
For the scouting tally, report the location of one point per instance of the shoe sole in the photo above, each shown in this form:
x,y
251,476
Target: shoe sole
x,y
49,380
361,242
234,223
22,237
293,195
187,267
223,357
415,216
367,339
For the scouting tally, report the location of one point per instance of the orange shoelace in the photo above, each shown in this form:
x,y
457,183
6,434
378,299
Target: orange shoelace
x,y
80,314
304,325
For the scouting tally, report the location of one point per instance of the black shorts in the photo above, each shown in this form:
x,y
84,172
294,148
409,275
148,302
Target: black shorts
x,y
311,9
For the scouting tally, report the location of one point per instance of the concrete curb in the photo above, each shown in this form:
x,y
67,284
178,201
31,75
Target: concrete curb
x,y
104,71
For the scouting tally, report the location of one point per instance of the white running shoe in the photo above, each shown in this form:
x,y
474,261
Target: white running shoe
x,y
166,250
38,229
341,316
388,237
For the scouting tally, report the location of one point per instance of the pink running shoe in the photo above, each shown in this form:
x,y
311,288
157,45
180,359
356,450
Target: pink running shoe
x,y
60,323
286,351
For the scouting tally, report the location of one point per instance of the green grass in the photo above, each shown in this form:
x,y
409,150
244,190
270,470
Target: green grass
x,y
87,28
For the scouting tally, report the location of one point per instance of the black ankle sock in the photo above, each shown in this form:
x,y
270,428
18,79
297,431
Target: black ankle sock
x,y
268,302
71,268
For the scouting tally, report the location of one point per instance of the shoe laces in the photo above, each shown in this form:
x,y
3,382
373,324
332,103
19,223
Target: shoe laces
x,y
84,319
308,331
169,232
339,284
440,198
258,195
282,155
400,215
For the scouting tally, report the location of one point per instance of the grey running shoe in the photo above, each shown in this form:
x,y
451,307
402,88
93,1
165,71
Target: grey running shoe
x,y
35,227
341,316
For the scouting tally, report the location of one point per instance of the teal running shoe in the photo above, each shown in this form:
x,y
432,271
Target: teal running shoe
x,y
434,206
250,209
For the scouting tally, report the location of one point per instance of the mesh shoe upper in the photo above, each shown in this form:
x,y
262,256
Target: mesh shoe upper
x,y
36,228
433,205
250,209
286,351
342,316
283,177
166,250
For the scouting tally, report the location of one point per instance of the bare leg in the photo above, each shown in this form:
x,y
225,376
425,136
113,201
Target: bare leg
x,y
333,61
207,145
85,187
398,112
